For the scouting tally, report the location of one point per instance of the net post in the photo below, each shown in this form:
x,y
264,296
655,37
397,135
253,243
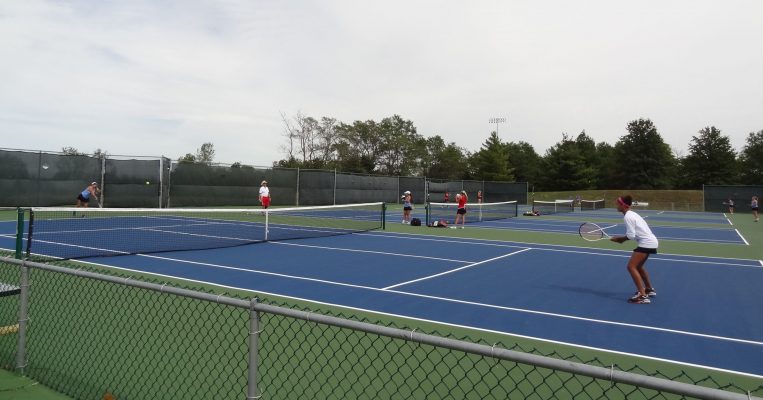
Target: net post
x,y
103,183
267,225
161,180
384,216
29,234
19,232
23,318
254,337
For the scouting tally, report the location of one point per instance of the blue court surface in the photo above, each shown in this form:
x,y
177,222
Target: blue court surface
x,y
611,220
707,312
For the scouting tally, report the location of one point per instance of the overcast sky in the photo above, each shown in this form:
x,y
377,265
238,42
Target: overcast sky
x,y
162,77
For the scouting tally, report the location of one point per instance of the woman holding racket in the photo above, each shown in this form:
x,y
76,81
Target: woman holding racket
x,y
84,197
637,229
407,207
461,198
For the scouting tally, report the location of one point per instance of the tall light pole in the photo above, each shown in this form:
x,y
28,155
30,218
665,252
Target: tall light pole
x,y
496,121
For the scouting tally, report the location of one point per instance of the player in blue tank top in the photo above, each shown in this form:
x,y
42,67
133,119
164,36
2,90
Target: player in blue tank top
x,y
84,197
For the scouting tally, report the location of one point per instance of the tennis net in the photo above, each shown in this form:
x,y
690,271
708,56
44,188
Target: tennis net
x,y
67,233
475,212
553,207
586,205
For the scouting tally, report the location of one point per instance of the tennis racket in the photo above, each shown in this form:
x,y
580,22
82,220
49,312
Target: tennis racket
x,y
592,232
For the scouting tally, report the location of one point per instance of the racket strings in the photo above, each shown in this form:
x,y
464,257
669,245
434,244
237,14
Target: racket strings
x,y
590,231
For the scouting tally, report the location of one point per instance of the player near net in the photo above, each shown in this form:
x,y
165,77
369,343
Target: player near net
x,y
461,199
264,194
637,229
84,197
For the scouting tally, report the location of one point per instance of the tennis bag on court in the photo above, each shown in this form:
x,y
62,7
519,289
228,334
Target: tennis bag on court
x,y
415,222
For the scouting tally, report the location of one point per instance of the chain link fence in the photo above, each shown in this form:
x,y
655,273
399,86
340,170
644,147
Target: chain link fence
x,y
88,334
40,179
716,197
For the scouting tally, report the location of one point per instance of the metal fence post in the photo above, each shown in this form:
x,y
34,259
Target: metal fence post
x,y
23,318
297,200
254,334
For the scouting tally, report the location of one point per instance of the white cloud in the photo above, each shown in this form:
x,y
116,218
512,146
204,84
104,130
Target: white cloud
x,y
150,78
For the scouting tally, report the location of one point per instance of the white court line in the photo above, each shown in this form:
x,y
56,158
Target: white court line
x,y
370,251
408,317
491,306
566,249
457,269
740,235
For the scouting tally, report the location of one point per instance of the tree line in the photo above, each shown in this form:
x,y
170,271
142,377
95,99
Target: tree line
x,y
639,160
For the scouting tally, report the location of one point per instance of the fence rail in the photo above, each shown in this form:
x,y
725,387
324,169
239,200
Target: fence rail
x,y
85,333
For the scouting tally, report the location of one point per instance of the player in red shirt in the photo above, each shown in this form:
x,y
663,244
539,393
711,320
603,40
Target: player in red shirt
x,y
461,198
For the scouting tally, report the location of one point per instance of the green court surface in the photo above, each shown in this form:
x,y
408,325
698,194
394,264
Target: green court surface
x,y
17,387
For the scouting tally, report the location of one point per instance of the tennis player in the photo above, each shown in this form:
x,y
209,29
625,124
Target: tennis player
x,y
637,229
84,197
264,194
754,206
446,198
407,207
731,206
479,196
461,198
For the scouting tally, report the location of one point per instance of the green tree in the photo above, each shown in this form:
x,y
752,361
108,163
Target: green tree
x,y
188,158
605,165
711,160
565,167
71,151
491,162
751,159
398,146
524,161
206,153
644,160
443,160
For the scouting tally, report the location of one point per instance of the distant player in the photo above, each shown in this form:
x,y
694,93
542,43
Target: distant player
x,y
461,198
407,206
754,206
731,206
447,197
637,229
264,194
479,196
84,197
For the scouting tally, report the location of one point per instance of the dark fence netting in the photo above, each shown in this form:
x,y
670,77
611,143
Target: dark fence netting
x,y
416,185
505,191
36,178
316,187
132,183
44,179
357,188
436,189
716,197
193,185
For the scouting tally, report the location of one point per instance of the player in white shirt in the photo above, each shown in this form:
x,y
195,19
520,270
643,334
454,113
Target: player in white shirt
x,y
637,229
264,194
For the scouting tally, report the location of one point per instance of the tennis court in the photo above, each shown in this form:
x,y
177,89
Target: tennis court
x,y
706,312
670,225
